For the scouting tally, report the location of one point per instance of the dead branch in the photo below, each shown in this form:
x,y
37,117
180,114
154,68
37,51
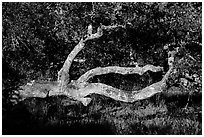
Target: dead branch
x,y
121,95
79,92
63,74
116,69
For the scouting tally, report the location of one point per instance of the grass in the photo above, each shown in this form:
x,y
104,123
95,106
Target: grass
x,y
160,114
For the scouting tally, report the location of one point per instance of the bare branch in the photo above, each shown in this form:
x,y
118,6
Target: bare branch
x,y
99,32
79,91
116,69
112,27
121,95
63,74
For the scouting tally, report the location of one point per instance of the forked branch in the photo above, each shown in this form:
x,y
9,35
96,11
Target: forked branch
x,y
63,74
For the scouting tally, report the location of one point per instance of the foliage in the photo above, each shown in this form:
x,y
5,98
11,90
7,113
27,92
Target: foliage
x,y
37,37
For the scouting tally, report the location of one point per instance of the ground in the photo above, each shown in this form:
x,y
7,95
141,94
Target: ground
x,y
163,113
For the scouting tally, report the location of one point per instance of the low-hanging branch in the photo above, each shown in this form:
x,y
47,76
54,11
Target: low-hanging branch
x,y
81,93
120,70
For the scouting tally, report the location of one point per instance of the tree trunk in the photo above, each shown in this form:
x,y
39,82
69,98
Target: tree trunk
x,y
63,74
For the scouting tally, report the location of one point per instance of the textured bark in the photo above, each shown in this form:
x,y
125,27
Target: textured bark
x,y
63,74
115,69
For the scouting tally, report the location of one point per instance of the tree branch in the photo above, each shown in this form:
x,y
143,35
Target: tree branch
x,y
121,95
63,74
115,69
79,91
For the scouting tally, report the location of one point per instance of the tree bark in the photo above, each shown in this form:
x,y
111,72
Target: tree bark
x,y
116,69
63,74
